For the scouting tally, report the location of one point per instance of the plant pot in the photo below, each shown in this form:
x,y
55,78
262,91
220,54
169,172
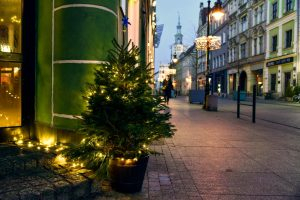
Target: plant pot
x,y
127,176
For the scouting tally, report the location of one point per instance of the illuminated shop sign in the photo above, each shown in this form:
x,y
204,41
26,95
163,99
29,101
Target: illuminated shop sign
x,y
280,61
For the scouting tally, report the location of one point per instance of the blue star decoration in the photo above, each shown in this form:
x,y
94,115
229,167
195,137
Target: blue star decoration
x,y
125,21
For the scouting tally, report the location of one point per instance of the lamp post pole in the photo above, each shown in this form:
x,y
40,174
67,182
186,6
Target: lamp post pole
x,y
207,59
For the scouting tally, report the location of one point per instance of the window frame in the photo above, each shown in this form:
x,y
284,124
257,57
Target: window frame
x,y
274,11
288,38
288,5
274,43
243,50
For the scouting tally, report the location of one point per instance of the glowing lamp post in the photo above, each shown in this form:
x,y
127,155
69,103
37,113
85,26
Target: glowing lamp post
x,y
208,42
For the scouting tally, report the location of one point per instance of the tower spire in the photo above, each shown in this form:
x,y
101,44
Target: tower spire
x,y
178,35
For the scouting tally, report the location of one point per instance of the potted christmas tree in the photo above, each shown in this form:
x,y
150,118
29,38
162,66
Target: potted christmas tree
x,y
121,120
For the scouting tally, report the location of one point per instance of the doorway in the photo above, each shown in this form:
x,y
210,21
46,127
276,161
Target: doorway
x,y
287,81
243,81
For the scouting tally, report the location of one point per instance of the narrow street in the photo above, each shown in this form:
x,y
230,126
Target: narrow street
x,y
214,155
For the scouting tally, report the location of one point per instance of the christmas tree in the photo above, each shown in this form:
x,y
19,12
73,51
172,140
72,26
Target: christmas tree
x,y
122,116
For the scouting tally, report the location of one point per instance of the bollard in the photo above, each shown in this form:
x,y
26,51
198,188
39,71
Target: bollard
x,y
254,104
238,102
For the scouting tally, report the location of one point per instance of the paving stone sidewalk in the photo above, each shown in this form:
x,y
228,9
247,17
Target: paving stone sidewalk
x,y
212,156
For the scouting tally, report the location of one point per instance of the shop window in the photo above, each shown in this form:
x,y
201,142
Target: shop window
x,y
10,94
273,82
10,63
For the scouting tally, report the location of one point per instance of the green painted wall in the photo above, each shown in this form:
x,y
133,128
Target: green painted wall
x,y
81,34
273,70
44,60
287,67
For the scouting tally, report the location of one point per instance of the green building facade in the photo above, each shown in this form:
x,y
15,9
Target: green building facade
x,y
49,49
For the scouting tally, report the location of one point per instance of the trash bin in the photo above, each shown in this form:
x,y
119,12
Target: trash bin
x,y
196,96
268,95
242,95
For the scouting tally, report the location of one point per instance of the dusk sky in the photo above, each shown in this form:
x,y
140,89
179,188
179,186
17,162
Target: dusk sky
x,y
167,14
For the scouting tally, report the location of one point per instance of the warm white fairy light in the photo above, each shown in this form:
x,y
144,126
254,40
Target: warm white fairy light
x,y
30,144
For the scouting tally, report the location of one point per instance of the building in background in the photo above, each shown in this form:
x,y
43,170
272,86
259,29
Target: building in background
x,y
45,43
186,72
246,45
281,69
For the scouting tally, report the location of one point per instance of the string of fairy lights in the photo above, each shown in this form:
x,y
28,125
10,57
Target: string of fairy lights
x,y
60,159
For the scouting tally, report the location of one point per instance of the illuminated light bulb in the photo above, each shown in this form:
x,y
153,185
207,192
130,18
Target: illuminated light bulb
x,y
39,148
128,161
59,149
81,165
135,159
83,140
19,142
1,20
5,48
116,89
30,144
140,152
60,159
122,159
99,155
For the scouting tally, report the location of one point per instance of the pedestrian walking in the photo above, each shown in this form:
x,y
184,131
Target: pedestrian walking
x,y
168,88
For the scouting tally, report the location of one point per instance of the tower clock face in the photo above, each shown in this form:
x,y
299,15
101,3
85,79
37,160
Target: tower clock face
x,y
179,48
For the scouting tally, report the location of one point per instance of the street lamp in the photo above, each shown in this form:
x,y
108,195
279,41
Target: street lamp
x,y
210,42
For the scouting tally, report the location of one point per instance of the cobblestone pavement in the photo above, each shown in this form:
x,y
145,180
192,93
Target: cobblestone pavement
x,y
213,155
